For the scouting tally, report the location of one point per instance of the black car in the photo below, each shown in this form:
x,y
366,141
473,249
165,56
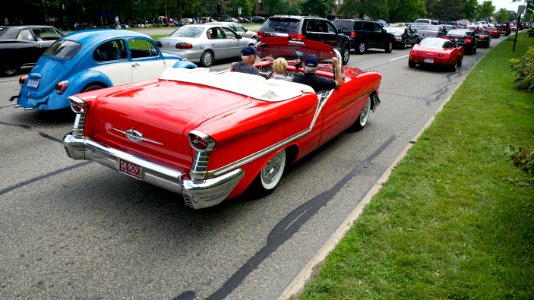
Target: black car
x,y
366,34
300,28
404,35
23,45
483,37
425,30
257,19
465,38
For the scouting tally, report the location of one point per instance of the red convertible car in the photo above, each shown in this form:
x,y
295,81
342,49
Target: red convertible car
x,y
213,136
436,52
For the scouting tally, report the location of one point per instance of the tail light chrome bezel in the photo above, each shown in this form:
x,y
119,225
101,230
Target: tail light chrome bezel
x,y
202,145
81,108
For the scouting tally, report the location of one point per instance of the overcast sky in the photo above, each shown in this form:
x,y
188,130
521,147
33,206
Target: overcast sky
x,y
507,4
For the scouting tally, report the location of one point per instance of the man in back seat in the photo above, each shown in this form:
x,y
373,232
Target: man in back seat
x,y
319,83
246,65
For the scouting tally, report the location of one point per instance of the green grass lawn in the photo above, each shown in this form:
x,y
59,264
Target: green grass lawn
x,y
456,217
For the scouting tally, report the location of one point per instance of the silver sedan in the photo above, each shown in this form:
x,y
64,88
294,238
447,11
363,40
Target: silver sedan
x,y
244,32
204,43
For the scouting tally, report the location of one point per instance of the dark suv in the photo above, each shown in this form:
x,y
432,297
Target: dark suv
x,y
299,28
366,34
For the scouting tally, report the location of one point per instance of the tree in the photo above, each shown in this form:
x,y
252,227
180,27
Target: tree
x,y
406,10
470,9
281,7
486,10
317,7
502,15
448,10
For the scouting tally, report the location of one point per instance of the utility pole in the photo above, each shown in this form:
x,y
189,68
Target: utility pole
x,y
520,10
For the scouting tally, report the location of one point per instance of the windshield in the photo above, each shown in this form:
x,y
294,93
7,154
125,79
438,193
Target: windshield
x,y
394,30
432,43
188,31
65,49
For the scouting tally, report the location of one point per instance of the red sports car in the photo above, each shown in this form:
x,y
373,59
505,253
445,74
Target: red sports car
x,y
494,32
212,136
436,52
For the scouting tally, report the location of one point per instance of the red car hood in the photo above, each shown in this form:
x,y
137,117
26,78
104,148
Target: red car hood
x,y
283,46
155,110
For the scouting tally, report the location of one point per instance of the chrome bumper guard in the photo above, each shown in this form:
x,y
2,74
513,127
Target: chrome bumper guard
x,y
197,193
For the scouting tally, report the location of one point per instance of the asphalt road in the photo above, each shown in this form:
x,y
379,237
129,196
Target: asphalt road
x,y
72,229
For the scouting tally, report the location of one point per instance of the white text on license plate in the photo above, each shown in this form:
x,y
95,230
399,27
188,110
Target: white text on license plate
x,y
429,61
33,83
130,169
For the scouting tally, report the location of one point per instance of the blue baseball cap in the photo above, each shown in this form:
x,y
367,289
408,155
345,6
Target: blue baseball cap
x,y
248,50
311,61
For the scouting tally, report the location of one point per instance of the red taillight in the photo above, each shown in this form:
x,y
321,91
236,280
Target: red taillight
x,y
419,52
62,86
468,40
22,79
78,106
200,141
297,37
183,46
441,55
260,34
353,34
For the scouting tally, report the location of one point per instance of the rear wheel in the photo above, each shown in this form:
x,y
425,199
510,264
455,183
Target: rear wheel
x,y
345,54
452,67
388,47
206,60
269,176
9,69
459,63
361,47
411,64
360,123
92,87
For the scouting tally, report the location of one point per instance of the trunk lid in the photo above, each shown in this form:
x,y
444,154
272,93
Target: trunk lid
x,y
159,115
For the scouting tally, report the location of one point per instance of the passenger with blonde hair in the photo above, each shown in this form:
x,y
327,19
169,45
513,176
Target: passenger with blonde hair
x,y
279,68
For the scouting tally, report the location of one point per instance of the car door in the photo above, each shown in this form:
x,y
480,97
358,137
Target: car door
x,y
30,54
234,43
369,31
146,60
218,43
112,60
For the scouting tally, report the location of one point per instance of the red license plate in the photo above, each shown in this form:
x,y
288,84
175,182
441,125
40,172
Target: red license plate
x,y
130,169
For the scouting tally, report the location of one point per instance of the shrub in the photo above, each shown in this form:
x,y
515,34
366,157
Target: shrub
x,y
524,70
522,158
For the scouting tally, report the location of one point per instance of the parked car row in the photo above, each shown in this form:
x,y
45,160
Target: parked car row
x,y
199,146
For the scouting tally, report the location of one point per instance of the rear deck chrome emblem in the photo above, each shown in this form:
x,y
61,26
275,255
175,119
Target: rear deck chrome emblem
x,y
136,136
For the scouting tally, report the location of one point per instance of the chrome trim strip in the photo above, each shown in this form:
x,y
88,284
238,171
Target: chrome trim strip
x,y
323,98
131,135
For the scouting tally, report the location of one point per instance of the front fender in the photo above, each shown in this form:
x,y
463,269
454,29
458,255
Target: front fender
x,y
184,64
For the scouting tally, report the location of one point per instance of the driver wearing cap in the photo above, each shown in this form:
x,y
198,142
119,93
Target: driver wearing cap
x,y
319,83
246,65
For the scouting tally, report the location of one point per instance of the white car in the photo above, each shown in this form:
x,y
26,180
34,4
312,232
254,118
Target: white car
x,y
239,29
204,43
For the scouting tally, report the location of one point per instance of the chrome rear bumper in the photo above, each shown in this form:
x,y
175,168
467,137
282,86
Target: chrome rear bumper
x,y
197,193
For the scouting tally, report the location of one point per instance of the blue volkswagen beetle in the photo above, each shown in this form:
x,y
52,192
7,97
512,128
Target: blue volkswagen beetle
x,y
89,60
